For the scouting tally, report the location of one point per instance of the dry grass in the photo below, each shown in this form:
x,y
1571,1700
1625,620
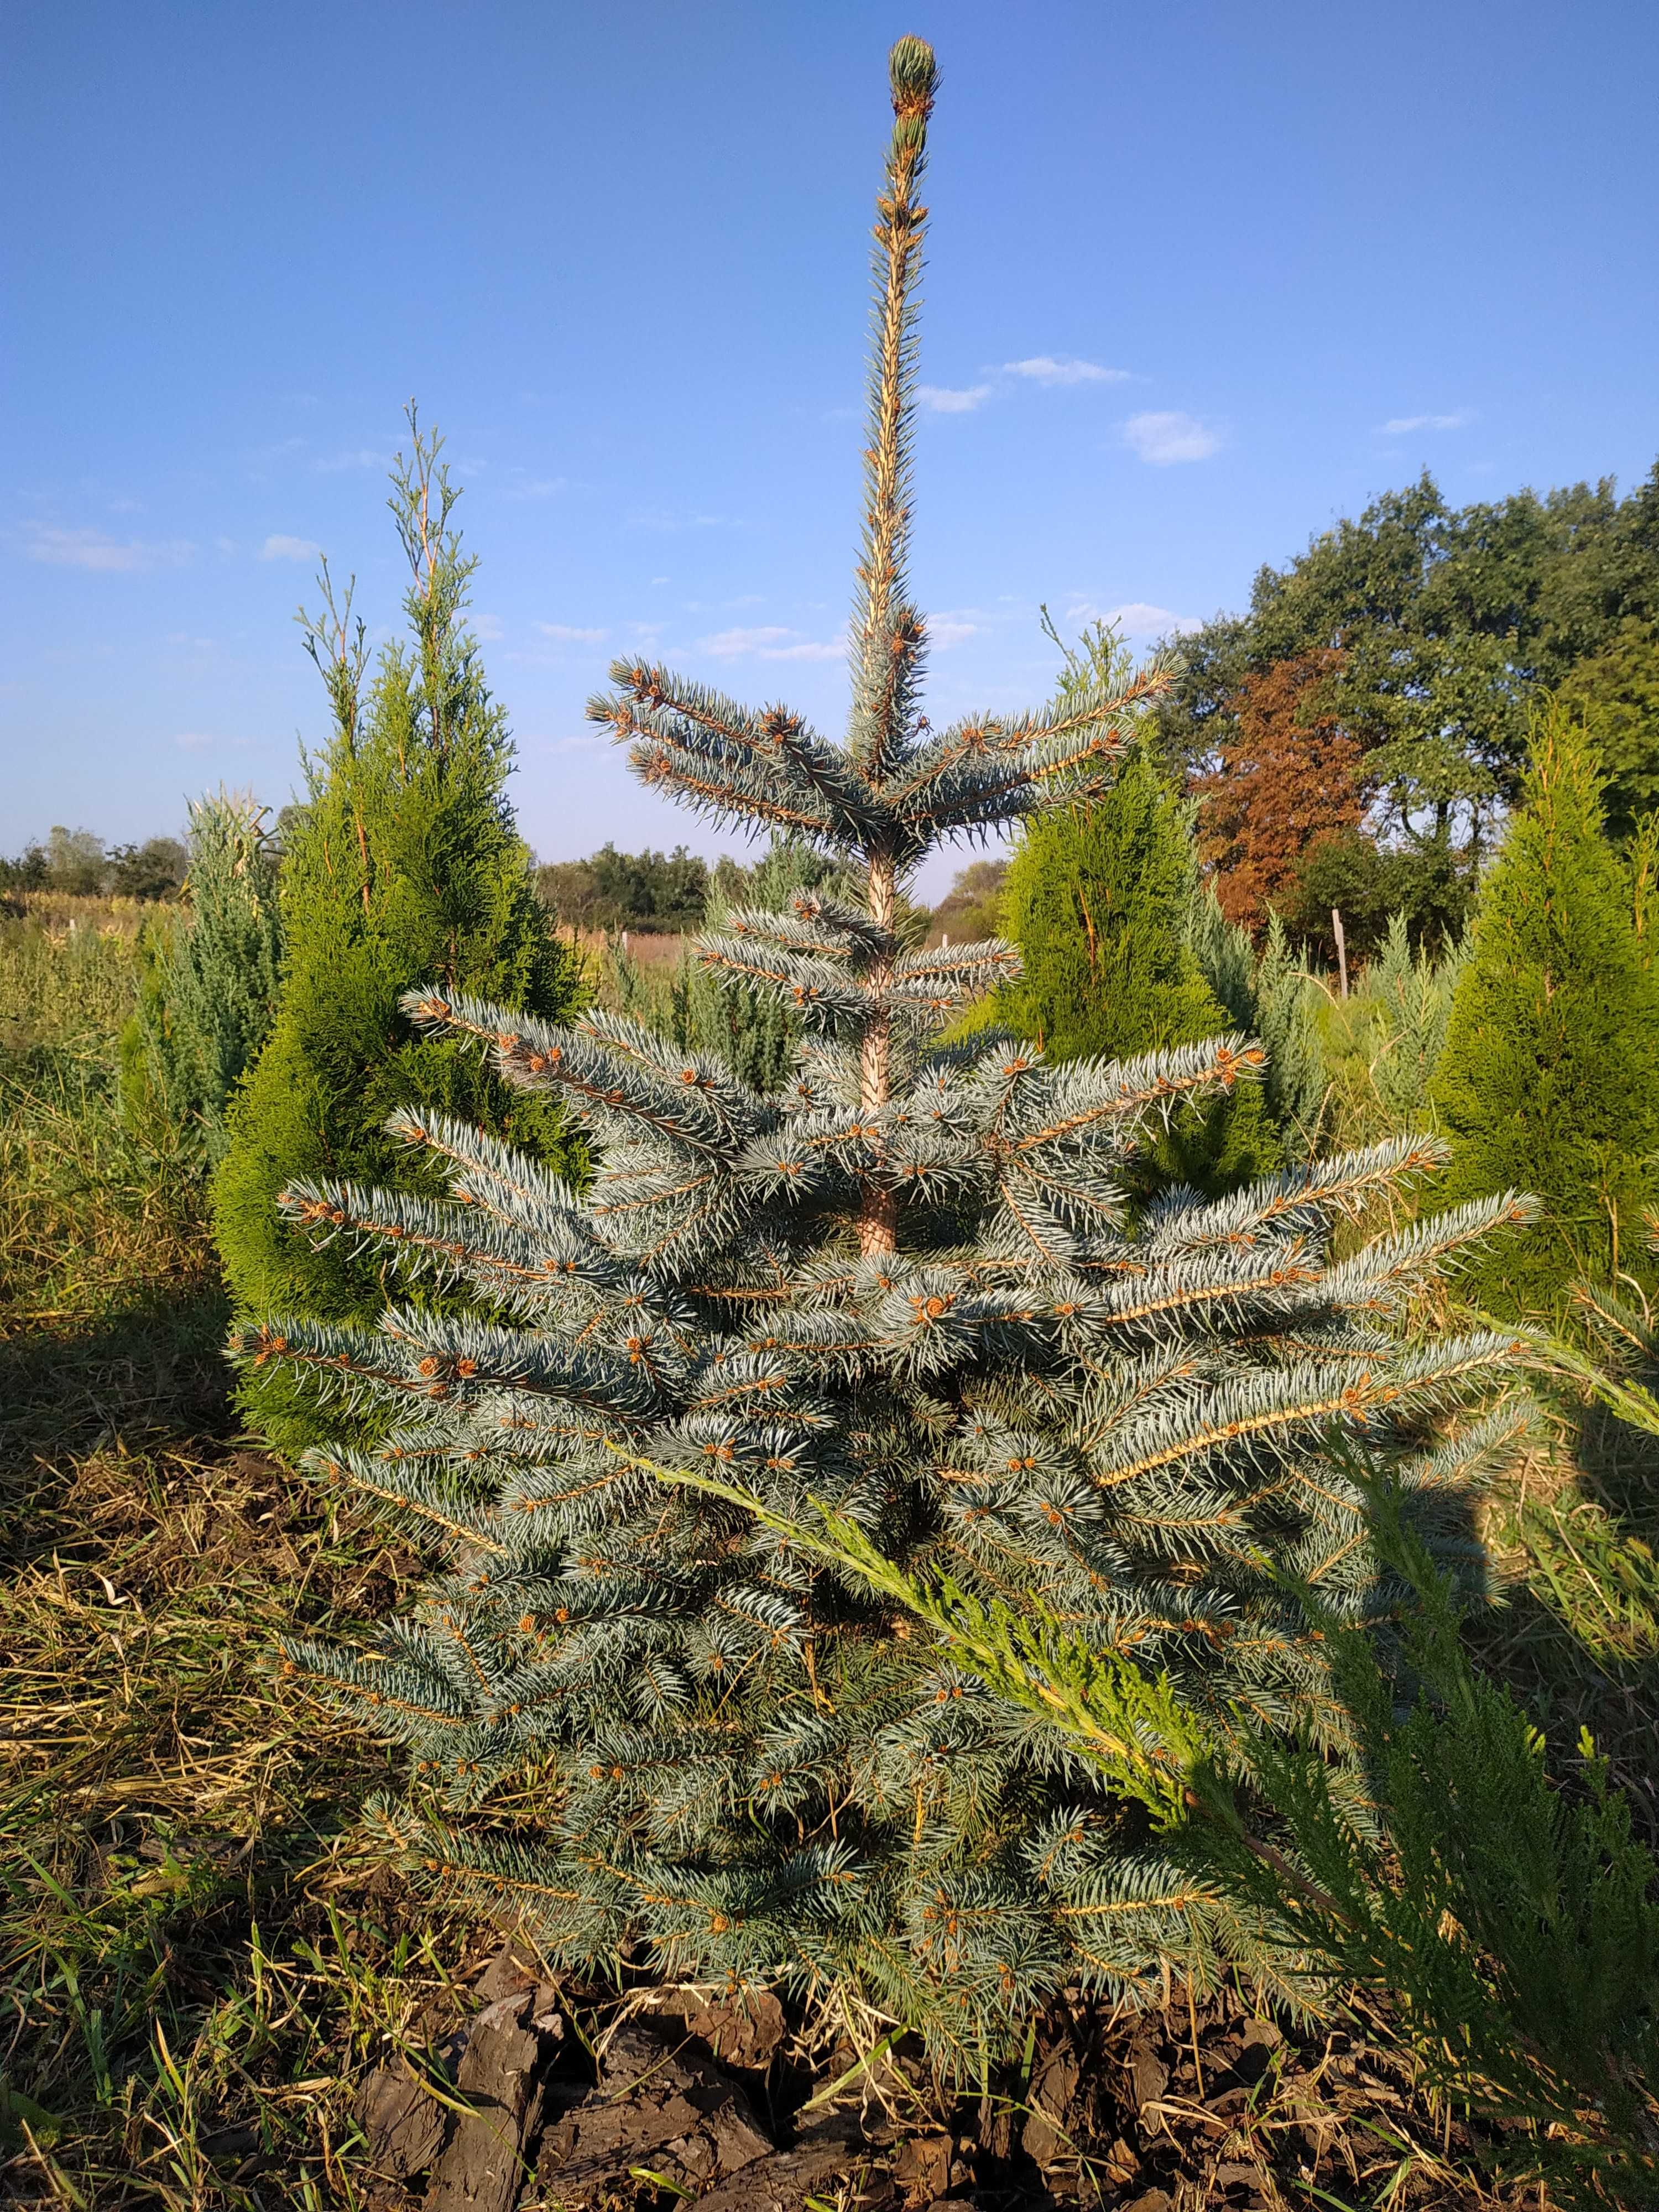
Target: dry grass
x,y
63,987
650,948
199,1958
1573,1535
61,912
195,1957
192,1955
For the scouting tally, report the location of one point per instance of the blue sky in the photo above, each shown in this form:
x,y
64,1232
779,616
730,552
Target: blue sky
x,y
1201,277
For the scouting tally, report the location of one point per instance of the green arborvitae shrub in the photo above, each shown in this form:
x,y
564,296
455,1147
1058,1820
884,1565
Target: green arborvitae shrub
x,y
909,1286
1549,1079
1097,901
1642,857
208,979
403,865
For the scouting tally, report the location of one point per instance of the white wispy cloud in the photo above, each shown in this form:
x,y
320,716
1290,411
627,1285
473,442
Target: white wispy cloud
x,y
652,517
944,400
1401,426
488,629
567,634
769,641
196,740
1161,438
1064,368
97,549
358,457
945,630
1134,618
535,488
730,644
289,549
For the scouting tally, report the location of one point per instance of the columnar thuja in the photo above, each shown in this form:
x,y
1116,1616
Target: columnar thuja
x,y
907,1287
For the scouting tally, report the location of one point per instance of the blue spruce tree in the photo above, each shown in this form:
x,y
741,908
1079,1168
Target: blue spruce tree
x,y
906,1286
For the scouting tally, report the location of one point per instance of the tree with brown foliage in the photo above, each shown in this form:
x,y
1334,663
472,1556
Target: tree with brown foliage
x,y
1289,775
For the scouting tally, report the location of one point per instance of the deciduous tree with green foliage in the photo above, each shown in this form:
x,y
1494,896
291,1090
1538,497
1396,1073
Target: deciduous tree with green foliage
x,y
613,891
1617,692
971,910
1548,1081
404,864
154,870
1448,622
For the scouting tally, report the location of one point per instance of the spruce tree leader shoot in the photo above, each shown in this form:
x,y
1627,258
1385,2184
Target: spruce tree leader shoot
x,y
908,1287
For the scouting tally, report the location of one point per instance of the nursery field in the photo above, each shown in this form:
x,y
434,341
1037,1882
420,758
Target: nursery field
x,y
205,1961
677,1530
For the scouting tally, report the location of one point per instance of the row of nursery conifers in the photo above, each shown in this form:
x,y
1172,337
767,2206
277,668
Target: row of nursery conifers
x,y
952,1468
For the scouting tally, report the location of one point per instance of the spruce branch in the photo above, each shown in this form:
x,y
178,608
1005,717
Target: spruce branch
x,y
1131,1722
887,632
1427,1928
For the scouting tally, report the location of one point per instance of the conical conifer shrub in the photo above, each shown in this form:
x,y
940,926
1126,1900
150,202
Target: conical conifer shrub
x,y
403,865
208,980
1549,1076
905,1287
1098,905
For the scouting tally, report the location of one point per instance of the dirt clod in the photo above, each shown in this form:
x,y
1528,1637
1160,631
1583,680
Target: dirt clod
x,y
403,2121
670,2111
481,2168
744,2030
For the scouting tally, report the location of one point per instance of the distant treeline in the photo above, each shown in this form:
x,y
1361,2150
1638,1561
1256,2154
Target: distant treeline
x,y
608,891
76,862
613,891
